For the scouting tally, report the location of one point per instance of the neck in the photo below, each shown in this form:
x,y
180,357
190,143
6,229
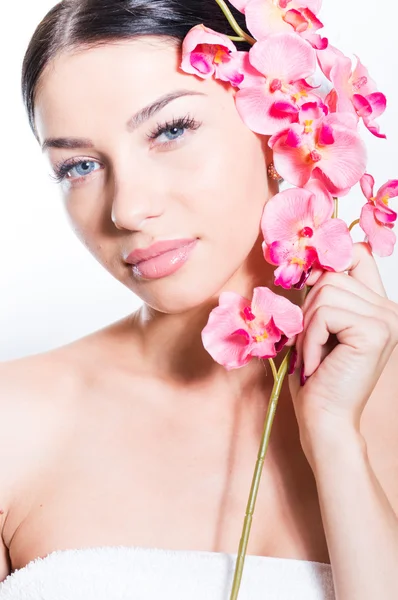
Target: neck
x,y
172,345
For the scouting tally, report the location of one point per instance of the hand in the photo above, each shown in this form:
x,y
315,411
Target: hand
x,y
350,332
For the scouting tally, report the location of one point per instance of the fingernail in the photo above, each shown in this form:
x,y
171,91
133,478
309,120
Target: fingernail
x,y
282,342
292,362
303,378
303,280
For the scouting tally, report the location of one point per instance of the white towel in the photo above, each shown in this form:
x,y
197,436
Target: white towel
x,y
137,573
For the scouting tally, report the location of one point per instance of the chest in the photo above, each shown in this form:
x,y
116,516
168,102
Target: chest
x,y
140,477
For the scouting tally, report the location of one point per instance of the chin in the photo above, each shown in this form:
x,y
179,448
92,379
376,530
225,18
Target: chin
x,y
172,295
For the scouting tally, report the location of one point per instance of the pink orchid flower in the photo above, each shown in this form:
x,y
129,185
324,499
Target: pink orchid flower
x,y
299,232
285,61
377,218
266,17
354,91
206,53
238,330
240,4
322,146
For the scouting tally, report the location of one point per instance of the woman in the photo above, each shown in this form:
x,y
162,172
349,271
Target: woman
x,y
132,476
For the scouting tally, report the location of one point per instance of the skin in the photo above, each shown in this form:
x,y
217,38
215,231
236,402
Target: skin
x,y
117,420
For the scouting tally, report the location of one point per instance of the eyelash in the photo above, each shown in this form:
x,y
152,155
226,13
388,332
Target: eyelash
x,y
62,169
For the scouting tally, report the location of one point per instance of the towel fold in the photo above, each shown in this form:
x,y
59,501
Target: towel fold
x,y
137,573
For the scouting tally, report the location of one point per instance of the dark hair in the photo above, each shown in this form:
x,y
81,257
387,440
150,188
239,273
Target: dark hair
x,y
78,23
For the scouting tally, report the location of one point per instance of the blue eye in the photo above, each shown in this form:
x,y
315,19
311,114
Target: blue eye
x,y
82,168
174,130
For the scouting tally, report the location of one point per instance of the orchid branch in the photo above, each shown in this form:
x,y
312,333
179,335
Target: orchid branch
x,y
273,367
235,38
356,222
336,208
232,21
276,390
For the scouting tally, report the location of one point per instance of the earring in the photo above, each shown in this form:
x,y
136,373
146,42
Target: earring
x,y
273,173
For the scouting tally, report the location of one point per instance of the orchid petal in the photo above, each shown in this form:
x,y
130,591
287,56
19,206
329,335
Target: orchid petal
x,y
251,77
378,102
389,189
381,239
287,317
283,56
254,106
317,41
296,20
326,137
327,59
285,214
344,162
264,18
334,245
362,105
219,336
240,4
367,184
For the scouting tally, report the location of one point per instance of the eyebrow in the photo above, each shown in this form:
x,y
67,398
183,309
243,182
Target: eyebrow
x,y
136,121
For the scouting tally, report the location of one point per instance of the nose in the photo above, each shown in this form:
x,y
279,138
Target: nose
x,y
135,200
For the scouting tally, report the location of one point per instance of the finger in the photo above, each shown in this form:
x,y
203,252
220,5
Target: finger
x,y
364,268
329,295
372,336
344,282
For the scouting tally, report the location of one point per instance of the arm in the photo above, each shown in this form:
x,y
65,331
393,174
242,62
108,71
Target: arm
x,y
360,525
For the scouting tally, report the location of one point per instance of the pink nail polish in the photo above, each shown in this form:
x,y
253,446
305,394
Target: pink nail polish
x,y
282,342
293,362
303,378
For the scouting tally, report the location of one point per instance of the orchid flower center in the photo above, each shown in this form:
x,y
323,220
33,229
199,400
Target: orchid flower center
x,y
299,95
261,338
219,55
308,126
358,83
275,85
385,199
297,261
315,156
306,232
248,315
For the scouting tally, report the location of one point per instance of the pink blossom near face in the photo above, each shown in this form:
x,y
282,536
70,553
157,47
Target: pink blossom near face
x,y
267,17
299,232
206,53
321,146
239,330
377,218
240,4
355,92
285,60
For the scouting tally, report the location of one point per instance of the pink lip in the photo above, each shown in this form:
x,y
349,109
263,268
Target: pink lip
x,y
155,250
161,259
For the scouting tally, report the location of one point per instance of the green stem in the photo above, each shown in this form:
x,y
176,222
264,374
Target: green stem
x,y
231,20
336,208
236,38
251,503
351,227
273,367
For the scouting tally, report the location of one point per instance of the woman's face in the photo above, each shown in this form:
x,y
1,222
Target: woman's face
x,y
130,185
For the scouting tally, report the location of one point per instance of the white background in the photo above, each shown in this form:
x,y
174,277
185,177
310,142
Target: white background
x,y
52,290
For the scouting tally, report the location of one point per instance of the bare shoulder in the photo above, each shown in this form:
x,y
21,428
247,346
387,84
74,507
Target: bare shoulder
x,y
28,408
37,396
